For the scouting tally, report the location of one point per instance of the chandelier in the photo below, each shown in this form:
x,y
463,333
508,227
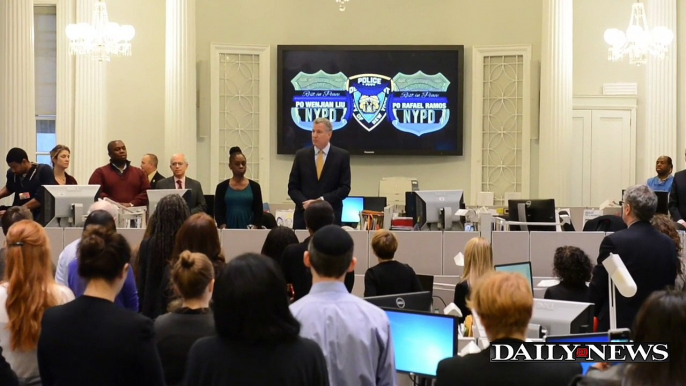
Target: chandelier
x,y
638,41
341,4
100,39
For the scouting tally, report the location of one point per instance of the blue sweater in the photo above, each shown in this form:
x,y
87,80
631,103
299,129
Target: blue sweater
x,y
127,298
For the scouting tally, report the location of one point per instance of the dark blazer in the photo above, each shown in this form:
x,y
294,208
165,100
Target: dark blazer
x,y
651,259
220,203
155,179
7,376
91,341
677,196
477,369
389,278
296,273
569,293
197,203
333,186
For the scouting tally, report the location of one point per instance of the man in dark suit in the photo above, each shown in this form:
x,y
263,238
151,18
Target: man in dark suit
x,y
319,173
649,256
178,166
677,198
149,166
317,215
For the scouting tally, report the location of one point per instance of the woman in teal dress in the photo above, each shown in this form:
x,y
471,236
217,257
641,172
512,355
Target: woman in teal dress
x,y
238,200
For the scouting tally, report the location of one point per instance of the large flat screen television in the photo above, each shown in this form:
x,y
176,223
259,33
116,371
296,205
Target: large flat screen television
x,y
386,100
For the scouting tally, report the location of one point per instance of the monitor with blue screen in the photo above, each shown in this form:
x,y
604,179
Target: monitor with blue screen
x,y
421,340
600,337
352,206
523,268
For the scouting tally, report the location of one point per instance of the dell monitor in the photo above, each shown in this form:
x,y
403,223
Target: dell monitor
x,y
352,207
427,283
599,337
435,209
523,269
560,317
533,211
155,195
421,340
376,204
67,205
662,203
417,301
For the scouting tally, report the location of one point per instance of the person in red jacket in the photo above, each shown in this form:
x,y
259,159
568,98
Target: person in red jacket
x,y
119,181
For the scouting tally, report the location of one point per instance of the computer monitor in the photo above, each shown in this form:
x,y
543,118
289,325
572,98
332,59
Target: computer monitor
x,y
421,340
599,337
523,268
427,283
436,209
417,301
67,205
561,317
375,203
352,206
662,202
534,211
155,195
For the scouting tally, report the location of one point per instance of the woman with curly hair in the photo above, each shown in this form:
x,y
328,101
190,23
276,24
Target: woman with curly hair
x,y
573,267
666,226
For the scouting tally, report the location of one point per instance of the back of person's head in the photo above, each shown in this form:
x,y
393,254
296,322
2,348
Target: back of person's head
x,y
106,206
29,292
331,251
572,265
150,228
665,225
14,215
642,201
268,220
192,274
277,240
661,319
199,234
102,253
250,313
478,259
16,155
102,218
318,215
384,244
504,304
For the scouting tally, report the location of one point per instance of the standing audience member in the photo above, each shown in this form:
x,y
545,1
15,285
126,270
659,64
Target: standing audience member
x,y
478,261
175,332
179,180
238,200
11,216
389,277
149,167
663,181
119,180
268,221
199,234
91,341
276,242
60,156
29,291
149,230
649,256
666,226
25,180
573,267
504,304
677,198
154,255
257,340
7,376
354,334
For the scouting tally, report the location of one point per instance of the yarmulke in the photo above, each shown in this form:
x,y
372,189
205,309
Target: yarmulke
x,y
332,240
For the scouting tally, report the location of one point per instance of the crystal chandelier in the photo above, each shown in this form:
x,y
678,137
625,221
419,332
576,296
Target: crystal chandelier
x,y
638,41
100,39
341,4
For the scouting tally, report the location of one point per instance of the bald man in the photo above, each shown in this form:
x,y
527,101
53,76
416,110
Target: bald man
x,y
178,166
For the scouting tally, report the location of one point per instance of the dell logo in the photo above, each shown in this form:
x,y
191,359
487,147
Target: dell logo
x,y
400,302
545,305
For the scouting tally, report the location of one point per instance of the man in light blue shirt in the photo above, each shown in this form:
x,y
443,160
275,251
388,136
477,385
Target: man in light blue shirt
x,y
354,335
663,181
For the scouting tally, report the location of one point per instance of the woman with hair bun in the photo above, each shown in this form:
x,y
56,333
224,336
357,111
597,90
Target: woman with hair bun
x,y
238,200
92,341
175,332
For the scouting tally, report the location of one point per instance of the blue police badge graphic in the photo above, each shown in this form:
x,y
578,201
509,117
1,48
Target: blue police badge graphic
x,y
370,96
419,103
320,95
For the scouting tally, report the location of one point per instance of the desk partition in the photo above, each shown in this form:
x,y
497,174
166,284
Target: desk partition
x,y
423,251
511,247
55,235
239,241
544,244
454,243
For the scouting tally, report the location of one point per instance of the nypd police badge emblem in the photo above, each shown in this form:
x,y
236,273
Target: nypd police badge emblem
x,y
370,95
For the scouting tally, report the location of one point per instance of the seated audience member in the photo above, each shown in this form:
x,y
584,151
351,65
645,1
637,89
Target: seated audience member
x,y
175,332
91,341
276,242
268,221
25,180
29,291
155,254
573,267
478,261
354,334
663,181
179,180
389,276
119,180
665,225
69,252
320,214
11,216
662,318
257,340
199,234
504,304
650,258
60,156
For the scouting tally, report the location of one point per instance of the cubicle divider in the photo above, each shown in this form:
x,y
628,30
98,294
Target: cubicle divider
x,y
238,241
56,237
423,251
544,244
454,243
510,247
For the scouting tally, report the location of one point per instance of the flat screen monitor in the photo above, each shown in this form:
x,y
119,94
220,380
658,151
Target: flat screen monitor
x,y
67,205
416,301
535,211
390,100
662,202
375,203
523,269
427,283
155,195
600,337
352,206
430,204
561,317
421,340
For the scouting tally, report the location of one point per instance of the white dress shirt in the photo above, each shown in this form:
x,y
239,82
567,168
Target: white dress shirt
x,y
325,150
183,182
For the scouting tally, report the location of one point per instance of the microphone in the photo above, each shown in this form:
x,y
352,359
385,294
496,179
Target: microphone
x,y
620,275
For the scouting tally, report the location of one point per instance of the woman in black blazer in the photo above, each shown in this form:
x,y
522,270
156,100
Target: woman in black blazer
x,y
111,345
573,267
238,200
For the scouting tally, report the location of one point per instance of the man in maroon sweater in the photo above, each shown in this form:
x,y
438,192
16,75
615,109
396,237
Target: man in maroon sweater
x,y
119,181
